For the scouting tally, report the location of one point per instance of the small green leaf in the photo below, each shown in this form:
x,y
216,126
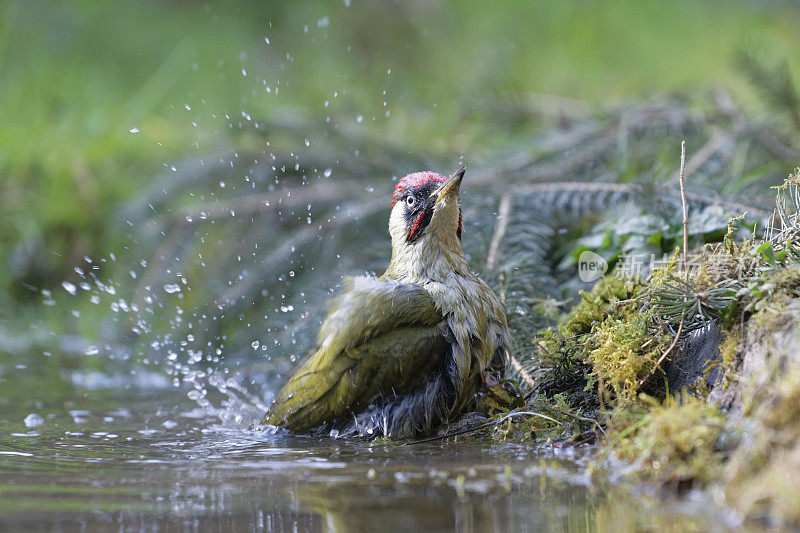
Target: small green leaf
x,y
767,253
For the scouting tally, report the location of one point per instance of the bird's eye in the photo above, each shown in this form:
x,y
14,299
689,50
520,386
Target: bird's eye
x,y
410,200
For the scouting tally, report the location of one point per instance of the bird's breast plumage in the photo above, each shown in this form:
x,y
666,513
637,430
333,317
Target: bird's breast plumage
x,y
476,318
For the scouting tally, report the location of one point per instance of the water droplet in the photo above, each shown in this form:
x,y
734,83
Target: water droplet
x,y
92,350
69,287
172,288
255,345
328,172
360,119
188,107
33,420
134,130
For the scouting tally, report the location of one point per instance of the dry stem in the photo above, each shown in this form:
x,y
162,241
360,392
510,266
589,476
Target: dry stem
x,y
665,354
685,210
503,216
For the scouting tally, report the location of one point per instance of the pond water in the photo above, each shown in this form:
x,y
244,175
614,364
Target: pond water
x,y
131,405
76,455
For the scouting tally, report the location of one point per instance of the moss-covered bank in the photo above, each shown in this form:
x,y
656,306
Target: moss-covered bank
x,y
690,378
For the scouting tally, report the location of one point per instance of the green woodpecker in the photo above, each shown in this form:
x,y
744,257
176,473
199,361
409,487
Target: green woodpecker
x,y
401,354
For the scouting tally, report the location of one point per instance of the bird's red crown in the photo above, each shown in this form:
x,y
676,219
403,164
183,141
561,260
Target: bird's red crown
x,y
412,181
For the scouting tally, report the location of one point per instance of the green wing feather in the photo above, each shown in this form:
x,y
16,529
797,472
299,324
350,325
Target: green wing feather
x,y
380,337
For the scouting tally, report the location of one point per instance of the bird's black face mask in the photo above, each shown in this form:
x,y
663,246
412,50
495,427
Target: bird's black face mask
x,y
419,209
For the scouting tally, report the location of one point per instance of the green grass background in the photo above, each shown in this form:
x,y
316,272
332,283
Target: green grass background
x,y
76,77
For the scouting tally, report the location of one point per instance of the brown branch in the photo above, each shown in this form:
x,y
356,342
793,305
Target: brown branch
x,y
526,377
503,216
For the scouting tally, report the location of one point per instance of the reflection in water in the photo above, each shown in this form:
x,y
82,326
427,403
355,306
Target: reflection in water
x,y
116,460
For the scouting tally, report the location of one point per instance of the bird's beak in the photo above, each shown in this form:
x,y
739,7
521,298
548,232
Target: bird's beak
x,y
450,187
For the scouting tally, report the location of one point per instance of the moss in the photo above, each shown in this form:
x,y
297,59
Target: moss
x,y
624,350
564,365
728,357
674,440
596,304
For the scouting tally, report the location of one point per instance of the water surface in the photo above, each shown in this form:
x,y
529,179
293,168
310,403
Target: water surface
x,y
139,455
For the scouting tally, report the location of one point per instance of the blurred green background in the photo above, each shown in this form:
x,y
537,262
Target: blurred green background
x,y
99,99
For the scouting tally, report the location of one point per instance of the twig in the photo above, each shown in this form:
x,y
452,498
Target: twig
x,y
481,426
503,216
581,418
601,391
665,354
526,377
685,210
